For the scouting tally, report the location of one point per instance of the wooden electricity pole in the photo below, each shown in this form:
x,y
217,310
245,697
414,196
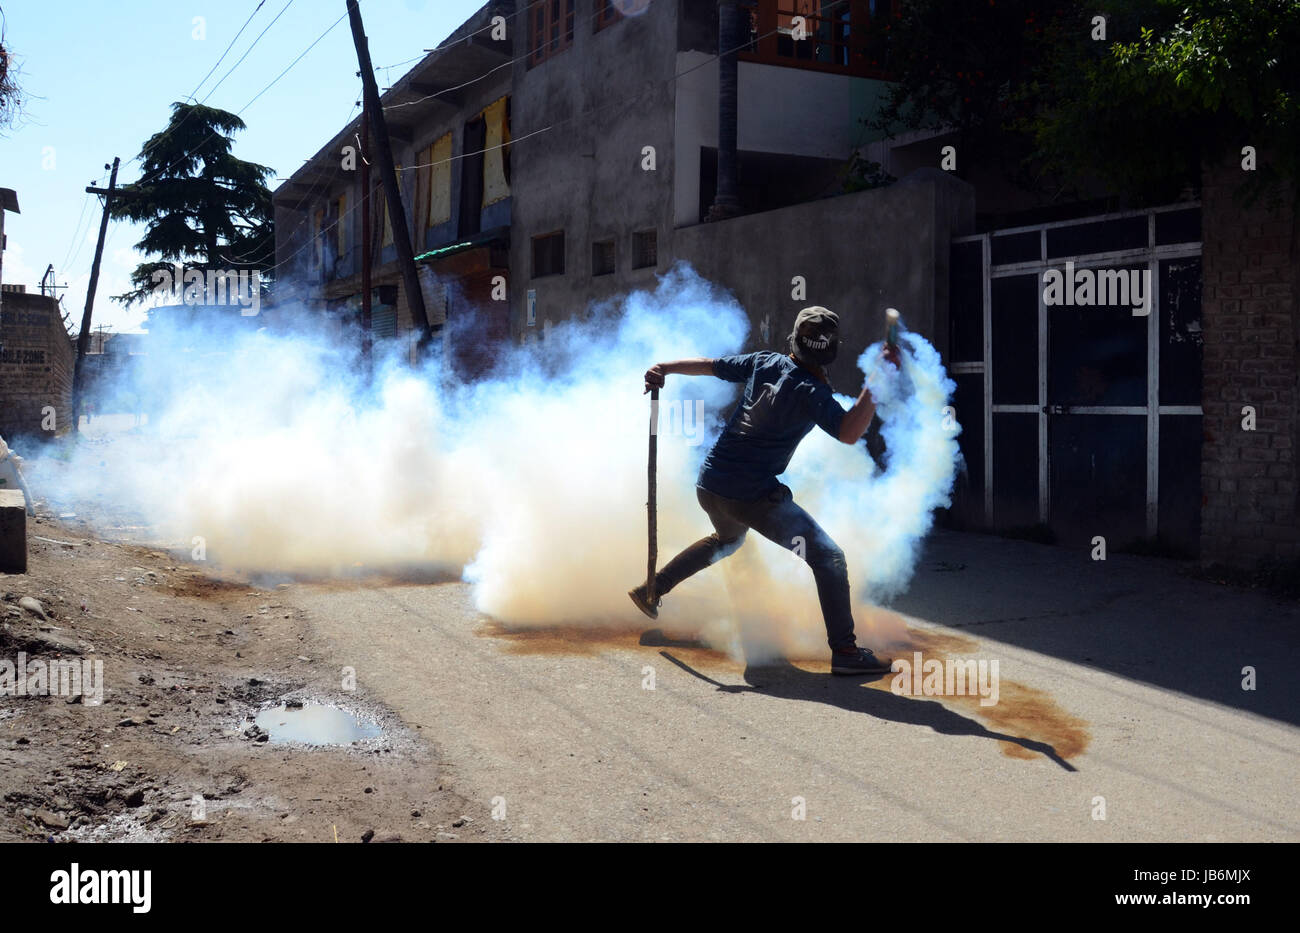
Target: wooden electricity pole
x,y
83,337
367,240
392,191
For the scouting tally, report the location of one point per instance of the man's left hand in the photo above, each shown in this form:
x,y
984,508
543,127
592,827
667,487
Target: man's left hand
x,y
891,354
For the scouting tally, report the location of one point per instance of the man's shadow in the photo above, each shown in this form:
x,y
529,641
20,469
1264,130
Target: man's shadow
x,y
782,679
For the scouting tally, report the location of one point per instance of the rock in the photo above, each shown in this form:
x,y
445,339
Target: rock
x,y
135,798
388,837
415,814
52,820
264,737
129,721
457,824
445,835
368,835
293,704
56,644
34,606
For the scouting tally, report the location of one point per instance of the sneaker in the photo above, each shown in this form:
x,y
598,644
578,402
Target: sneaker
x,y
861,661
638,594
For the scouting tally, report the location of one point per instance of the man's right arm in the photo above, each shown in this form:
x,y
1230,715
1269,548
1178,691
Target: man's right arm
x,y
698,366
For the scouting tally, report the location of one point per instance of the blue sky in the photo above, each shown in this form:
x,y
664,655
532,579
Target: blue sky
x,y
100,78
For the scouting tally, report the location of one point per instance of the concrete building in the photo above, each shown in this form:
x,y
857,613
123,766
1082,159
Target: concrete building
x,y
564,152
610,112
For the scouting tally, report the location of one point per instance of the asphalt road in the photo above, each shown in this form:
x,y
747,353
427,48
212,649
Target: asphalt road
x,y
1120,698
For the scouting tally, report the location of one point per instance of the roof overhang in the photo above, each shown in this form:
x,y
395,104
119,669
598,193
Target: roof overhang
x,y
430,92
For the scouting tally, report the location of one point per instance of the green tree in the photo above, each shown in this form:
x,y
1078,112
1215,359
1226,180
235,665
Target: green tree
x,y
201,206
1033,89
976,69
1196,81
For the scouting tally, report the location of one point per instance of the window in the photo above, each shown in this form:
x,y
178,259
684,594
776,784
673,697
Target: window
x,y
645,249
603,256
341,226
548,254
607,13
473,141
318,238
433,184
496,170
844,36
388,219
550,29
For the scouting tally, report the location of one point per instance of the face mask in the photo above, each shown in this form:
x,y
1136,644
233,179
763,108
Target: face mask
x,y
818,350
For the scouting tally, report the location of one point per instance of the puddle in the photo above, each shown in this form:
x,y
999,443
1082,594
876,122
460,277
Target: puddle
x,y
314,724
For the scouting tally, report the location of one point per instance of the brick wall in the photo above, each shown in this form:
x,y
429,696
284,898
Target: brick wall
x,y
36,364
1250,494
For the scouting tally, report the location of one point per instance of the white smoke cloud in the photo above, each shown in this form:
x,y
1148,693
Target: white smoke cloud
x,y
532,481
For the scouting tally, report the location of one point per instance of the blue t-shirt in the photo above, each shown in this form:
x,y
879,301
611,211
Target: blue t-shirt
x,y
781,403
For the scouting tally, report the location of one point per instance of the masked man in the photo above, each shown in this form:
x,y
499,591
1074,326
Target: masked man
x,y
784,396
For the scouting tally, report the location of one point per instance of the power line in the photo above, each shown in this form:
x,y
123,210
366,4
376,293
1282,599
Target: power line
x,y
291,64
167,132
587,113
156,175
77,239
247,51
194,93
490,71
449,43
329,181
320,184
76,231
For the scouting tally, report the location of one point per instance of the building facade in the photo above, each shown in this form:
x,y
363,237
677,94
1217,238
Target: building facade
x,y
570,154
558,154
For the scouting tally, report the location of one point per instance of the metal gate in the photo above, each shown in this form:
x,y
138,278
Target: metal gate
x,y
1089,406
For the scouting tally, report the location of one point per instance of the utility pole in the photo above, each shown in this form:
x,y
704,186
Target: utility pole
x,y
726,202
392,192
367,240
83,337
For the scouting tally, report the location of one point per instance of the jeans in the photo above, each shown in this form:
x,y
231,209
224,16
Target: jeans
x,y
777,518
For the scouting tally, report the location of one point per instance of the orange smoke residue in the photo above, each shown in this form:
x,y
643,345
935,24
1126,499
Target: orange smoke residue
x,y
1021,711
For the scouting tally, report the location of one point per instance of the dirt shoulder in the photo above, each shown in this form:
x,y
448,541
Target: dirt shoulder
x,y
188,660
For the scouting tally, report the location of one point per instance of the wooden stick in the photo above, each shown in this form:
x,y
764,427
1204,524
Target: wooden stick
x,y
653,558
